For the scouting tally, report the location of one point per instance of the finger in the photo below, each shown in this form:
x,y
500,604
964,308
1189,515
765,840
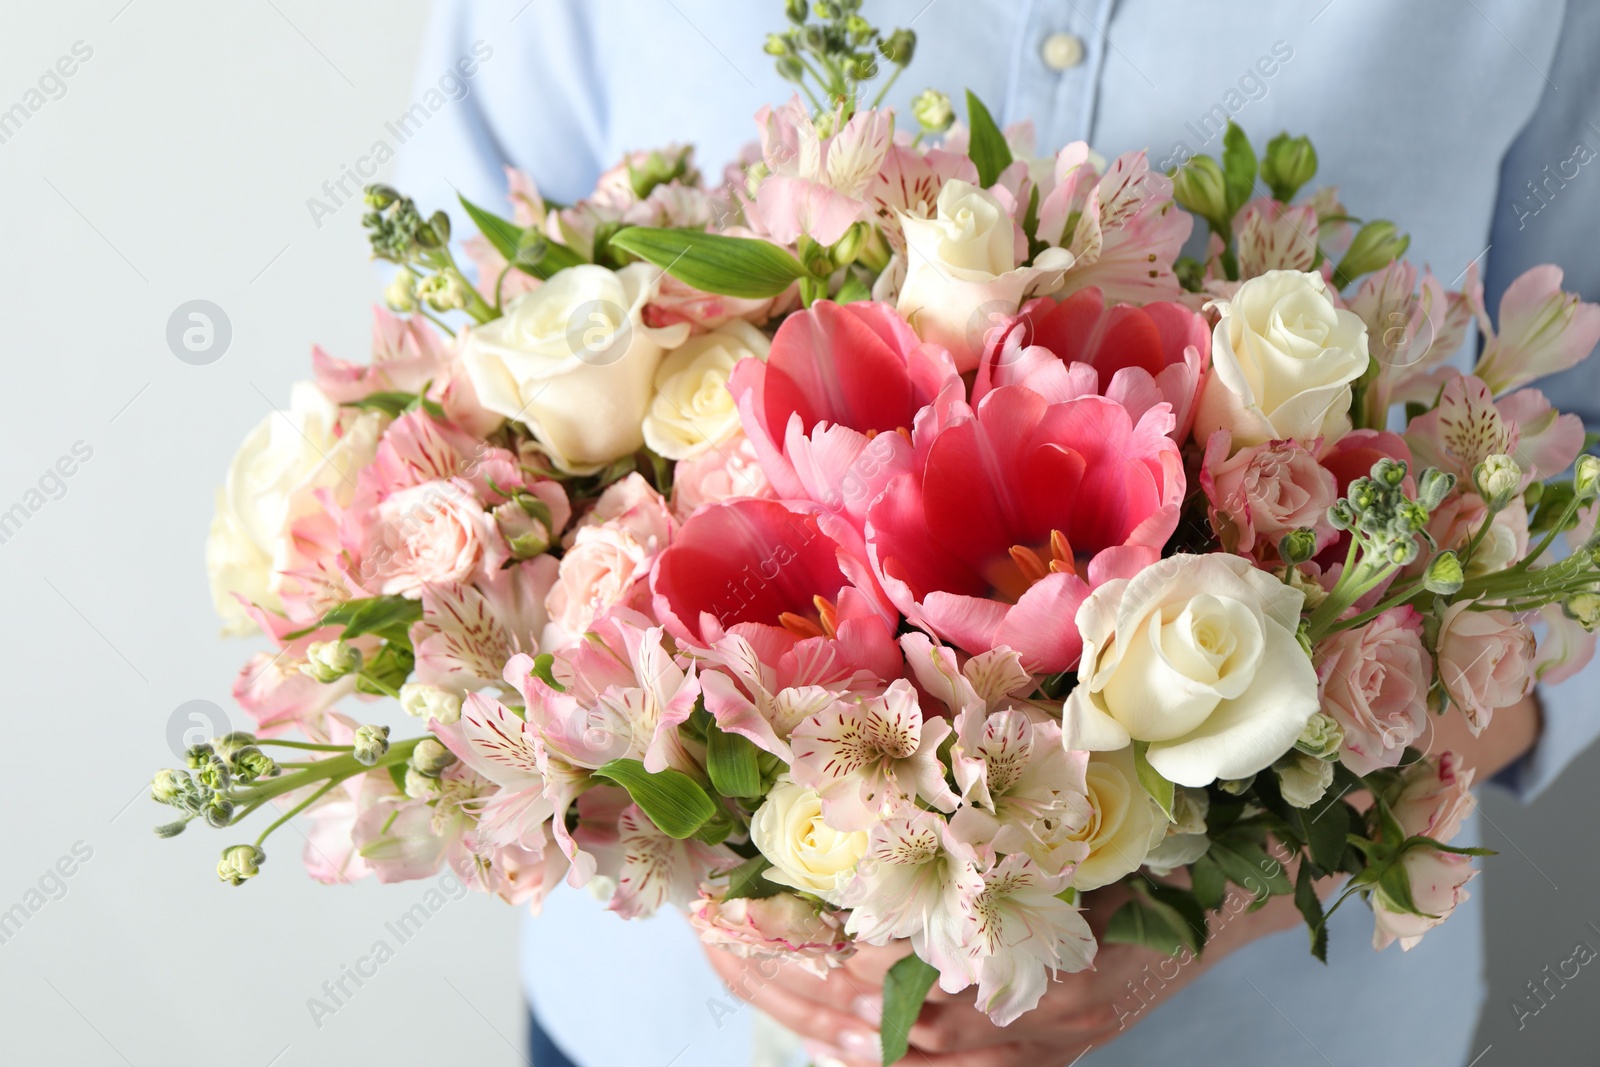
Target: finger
x,y
960,1026
803,1015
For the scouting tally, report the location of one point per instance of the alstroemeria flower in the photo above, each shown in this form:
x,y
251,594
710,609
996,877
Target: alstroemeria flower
x,y
495,743
764,702
465,637
1469,425
648,868
867,755
917,880
816,185
1018,512
1141,356
1542,330
844,391
768,572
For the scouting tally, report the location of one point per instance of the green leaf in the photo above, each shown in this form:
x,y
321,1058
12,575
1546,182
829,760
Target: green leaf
x,y
986,145
1238,167
1247,865
1323,828
389,617
1395,885
387,670
853,290
1183,902
1146,921
1209,884
731,763
1160,790
541,670
1310,905
503,234
730,266
670,799
748,881
905,987
526,249
390,403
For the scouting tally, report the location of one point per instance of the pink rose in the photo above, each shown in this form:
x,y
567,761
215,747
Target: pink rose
x,y
1454,522
429,534
782,926
1433,802
633,506
1375,682
597,572
729,471
1485,661
1263,492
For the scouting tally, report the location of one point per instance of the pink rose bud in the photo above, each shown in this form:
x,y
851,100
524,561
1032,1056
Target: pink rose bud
x,y
1485,661
1375,682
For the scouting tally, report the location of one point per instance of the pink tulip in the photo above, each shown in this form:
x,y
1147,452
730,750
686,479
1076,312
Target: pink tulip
x,y
1140,356
1017,513
764,571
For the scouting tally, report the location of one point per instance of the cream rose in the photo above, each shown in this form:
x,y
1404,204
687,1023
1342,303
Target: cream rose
x,y
1196,655
271,482
692,411
1123,823
962,269
574,360
1282,361
806,853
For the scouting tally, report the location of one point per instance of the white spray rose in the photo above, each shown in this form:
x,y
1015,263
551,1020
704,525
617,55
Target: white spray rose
x,y
692,411
806,852
271,482
1196,655
1282,361
574,361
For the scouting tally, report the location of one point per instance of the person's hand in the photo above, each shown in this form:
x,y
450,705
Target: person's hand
x,y
838,1016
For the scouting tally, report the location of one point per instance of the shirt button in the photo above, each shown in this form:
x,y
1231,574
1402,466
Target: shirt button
x,y
1062,51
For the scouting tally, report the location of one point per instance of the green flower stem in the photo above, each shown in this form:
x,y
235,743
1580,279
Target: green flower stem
x,y
1477,538
436,320
296,810
1549,537
1405,595
380,685
1355,581
333,770
877,101
308,745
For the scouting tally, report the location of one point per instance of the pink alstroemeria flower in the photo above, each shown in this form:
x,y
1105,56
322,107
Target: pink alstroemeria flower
x,y
1542,330
1469,425
833,410
1018,513
816,185
867,755
1137,356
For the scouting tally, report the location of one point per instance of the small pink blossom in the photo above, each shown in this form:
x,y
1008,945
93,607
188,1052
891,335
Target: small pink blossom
x,y
1485,660
1263,492
429,534
1375,682
782,926
725,473
1434,801
1542,330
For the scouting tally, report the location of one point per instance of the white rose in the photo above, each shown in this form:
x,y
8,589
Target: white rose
x,y
1282,360
806,853
1196,655
693,412
961,270
1118,834
574,361
271,483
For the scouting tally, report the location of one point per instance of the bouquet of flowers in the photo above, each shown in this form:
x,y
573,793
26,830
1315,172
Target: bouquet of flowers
x,y
901,540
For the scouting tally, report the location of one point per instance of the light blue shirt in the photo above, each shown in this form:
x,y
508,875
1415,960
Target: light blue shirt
x,y
1462,122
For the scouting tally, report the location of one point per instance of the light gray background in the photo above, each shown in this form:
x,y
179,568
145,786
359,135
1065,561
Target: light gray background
x,y
177,166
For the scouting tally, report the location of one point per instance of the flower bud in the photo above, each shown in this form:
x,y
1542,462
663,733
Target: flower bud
x,y
1496,480
1584,608
443,292
371,742
796,10
1321,737
401,292
933,111
172,829
1434,486
1288,164
198,756
228,745
215,774
1236,786
826,10
379,197
776,45
858,28
791,69
525,534
168,785
420,786
218,811
328,661
430,702
1409,519
1445,575
1297,546
1586,477
430,757
1200,187
1404,552
1389,472
1341,516
1376,245
847,248
899,47
240,863
252,763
